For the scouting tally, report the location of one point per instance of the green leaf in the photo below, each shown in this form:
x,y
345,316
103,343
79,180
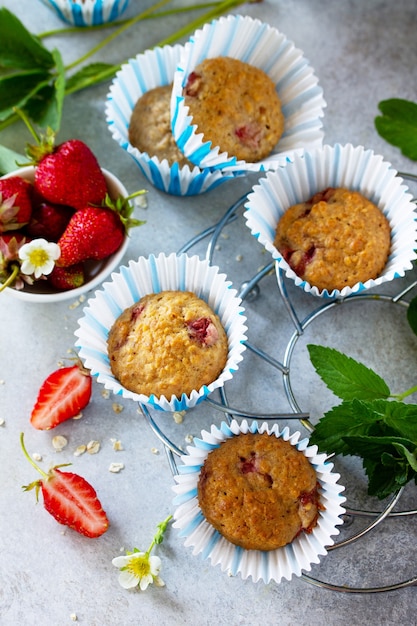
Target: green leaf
x,y
385,479
45,106
9,160
347,378
398,125
17,89
341,421
20,49
90,74
412,315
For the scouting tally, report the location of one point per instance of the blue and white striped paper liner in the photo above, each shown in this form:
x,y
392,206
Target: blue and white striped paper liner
x,y
154,68
336,166
152,275
285,562
262,46
89,12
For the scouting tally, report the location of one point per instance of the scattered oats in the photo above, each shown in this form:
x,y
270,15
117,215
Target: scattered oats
x,y
82,298
141,201
117,444
178,416
189,438
217,247
36,456
2,382
117,408
2,421
59,442
93,447
116,467
239,257
74,305
105,393
60,363
79,450
78,416
73,617
154,450
225,236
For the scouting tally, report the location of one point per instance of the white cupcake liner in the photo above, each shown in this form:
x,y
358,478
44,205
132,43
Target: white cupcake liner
x,y
152,275
336,166
154,68
275,565
87,12
264,47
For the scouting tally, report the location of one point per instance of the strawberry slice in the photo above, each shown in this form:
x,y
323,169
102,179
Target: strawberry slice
x,y
62,396
70,499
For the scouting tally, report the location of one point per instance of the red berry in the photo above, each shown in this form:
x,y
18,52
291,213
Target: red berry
x,y
203,330
65,278
15,203
49,221
62,396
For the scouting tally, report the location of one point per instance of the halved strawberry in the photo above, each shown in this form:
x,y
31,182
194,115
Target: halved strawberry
x,y
70,499
62,396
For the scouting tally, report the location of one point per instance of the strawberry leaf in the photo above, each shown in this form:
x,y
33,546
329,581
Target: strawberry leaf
x,y
398,125
19,48
9,160
347,378
17,89
90,75
45,106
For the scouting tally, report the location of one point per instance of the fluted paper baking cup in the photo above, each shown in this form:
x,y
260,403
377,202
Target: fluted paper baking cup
x,y
152,275
87,12
154,68
258,44
336,166
285,562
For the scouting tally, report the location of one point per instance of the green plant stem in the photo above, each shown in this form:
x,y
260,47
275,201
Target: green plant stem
x,y
400,396
10,279
29,458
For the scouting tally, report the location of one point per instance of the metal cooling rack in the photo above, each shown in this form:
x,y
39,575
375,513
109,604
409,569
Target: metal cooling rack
x,y
249,292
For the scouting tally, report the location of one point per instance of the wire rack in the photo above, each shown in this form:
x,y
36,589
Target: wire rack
x,y
249,292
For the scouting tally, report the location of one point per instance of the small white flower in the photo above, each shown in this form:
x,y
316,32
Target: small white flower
x,y
140,569
38,257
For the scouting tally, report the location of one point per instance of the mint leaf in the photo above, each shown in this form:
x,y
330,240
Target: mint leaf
x,y
412,315
341,421
19,48
398,125
347,378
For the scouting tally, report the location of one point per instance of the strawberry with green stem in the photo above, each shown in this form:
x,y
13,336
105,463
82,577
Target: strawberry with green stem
x,y
96,232
69,498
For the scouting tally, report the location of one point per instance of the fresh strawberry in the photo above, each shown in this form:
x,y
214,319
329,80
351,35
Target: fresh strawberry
x,y
15,203
71,175
70,499
96,232
49,221
62,396
65,278
68,173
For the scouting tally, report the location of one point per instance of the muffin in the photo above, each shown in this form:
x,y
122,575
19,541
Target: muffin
x,y
346,167
258,491
150,126
336,239
167,343
154,70
254,45
263,564
235,106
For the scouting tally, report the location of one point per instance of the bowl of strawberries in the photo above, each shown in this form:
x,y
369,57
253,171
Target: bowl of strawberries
x,y
64,224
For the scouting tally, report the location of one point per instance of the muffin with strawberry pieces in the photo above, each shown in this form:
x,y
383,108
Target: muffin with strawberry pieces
x,y
167,343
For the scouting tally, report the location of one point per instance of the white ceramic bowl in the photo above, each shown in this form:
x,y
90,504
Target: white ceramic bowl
x,y
87,12
336,166
96,271
152,275
285,562
154,68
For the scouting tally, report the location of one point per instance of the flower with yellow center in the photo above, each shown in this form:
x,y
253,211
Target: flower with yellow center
x,y
140,569
38,257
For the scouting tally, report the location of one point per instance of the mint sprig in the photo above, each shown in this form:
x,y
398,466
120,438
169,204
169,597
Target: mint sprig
x,y
370,422
398,125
